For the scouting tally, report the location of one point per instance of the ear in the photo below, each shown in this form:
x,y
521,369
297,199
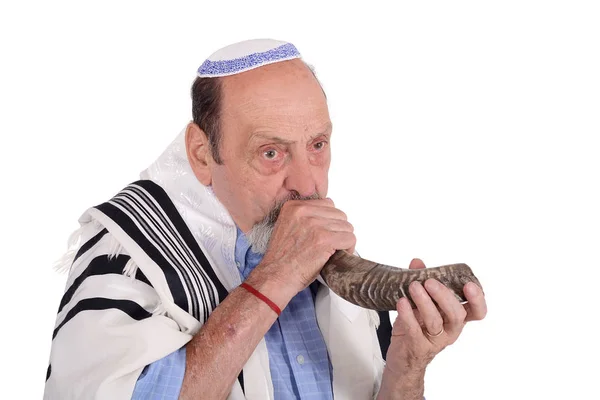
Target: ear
x,y
198,153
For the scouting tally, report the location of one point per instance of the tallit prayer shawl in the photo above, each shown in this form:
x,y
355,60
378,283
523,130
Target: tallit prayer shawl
x,y
152,263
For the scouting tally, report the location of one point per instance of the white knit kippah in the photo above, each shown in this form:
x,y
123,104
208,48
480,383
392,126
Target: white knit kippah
x,y
246,55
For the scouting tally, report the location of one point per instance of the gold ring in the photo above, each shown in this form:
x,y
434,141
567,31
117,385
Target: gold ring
x,y
436,335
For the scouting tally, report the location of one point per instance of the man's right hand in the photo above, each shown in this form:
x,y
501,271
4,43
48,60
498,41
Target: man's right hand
x,y
305,236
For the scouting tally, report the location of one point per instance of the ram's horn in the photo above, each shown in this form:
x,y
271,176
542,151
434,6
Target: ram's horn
x,y
379,287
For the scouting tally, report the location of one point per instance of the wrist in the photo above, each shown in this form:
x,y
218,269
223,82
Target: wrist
x,y
264,279
402,385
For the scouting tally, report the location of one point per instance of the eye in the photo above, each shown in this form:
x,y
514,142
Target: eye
x,y
319,145
270,154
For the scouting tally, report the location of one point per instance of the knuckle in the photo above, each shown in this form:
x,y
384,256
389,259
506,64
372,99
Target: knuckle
x,y
297,209
321,237
347,239
310,222
457,316
405,319
289,204
352,239
289,209
413,331
436,326
349,226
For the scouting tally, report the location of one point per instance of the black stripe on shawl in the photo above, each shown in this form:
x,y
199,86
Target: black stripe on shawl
x,y
125,223
240,380
101,265
162,239
169,208
182,248
131,308
48,371
384,332
90,243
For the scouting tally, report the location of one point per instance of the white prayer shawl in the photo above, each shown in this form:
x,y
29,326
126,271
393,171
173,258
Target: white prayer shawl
x,y
141,286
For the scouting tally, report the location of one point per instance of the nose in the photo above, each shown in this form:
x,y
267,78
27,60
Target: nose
x,y
300,178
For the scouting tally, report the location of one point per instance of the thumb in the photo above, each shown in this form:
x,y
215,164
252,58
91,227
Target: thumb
x,y
416,263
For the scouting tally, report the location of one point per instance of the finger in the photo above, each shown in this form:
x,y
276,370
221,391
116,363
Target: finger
x,y
476,307
416,263
338,226
342,240
330,213
321,210
328,225
454,313
312,202
406,324
431,317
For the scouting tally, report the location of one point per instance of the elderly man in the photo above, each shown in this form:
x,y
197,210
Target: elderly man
x,y
201,280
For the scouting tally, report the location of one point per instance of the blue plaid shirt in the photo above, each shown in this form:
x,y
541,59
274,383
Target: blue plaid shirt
x,y
298,359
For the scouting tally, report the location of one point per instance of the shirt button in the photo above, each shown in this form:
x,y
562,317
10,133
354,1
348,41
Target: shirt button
x,y
237,263
300,359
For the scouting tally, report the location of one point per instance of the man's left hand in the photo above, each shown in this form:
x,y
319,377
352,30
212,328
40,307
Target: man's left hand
x,y
419,335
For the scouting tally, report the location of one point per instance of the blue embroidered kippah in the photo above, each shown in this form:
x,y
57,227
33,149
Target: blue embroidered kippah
x,y
247,55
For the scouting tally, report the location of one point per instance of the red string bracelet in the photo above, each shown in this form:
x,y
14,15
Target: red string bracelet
x,y
262,297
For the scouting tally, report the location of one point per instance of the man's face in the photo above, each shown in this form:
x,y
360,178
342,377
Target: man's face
x,y
276,133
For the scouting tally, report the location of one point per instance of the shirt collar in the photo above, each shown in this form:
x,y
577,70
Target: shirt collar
x,y
245,259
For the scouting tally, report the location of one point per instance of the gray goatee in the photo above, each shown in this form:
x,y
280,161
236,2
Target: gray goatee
x,y
260,234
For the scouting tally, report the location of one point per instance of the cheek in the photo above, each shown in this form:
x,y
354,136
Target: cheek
x,y
246,190
321,159
230,184
222,186
268,188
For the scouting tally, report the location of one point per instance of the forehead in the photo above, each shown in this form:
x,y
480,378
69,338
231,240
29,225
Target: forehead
x,y
283,96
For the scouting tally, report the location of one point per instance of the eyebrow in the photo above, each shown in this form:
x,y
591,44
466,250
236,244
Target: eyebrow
x,y
286,141
272,138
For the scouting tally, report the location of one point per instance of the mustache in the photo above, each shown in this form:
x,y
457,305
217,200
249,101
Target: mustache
x,y
273,214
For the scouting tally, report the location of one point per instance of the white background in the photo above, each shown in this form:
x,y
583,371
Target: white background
x,y
464,131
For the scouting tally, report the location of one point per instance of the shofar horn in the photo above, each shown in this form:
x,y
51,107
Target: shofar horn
x,y
379,287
